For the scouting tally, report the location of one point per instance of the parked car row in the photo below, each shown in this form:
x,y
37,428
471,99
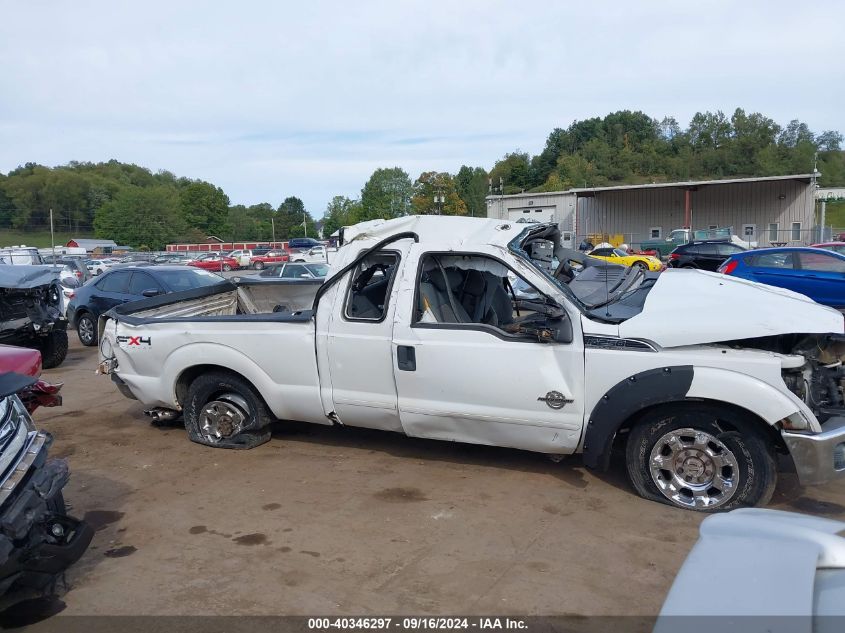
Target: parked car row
x,y
817,271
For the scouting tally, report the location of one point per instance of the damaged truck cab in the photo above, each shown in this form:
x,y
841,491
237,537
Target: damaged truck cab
x,y
487,332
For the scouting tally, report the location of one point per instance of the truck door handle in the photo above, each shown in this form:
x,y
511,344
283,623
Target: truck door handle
x,y
406,357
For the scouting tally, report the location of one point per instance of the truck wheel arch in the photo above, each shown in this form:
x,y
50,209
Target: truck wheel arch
x,y
628,401
190,374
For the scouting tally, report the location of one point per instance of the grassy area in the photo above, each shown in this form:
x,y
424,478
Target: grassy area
x,y
39,239
835,214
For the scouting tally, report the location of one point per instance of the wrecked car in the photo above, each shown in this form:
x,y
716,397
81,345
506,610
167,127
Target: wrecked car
x,y
698,380
28,362
31,311
38,540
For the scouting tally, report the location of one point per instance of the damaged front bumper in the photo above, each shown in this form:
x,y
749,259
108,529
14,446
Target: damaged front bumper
x,y
37,539
818,458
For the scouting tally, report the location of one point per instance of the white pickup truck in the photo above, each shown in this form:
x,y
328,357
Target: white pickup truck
x,y
314,255
698,379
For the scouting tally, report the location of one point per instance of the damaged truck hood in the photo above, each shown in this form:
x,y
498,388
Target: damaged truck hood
x,y
27,277
693,307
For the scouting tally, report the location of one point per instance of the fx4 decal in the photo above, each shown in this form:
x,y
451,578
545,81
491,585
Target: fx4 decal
x,y
134,340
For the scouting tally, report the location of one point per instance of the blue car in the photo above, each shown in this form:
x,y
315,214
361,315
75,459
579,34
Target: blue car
x,y
816,273
131,283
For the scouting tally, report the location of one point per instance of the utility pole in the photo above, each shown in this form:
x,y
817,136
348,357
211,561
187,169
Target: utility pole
x,y
501,189
305,223
823,237
439,201
273,224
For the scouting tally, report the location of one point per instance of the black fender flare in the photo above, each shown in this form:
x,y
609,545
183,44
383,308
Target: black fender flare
x,y
637,392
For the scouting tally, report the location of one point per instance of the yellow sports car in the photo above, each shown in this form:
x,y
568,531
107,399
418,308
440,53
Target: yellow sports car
x,y
618,256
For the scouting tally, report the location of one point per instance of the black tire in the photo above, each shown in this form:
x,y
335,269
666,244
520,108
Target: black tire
x,y
53,348
738,443
258,265
299,261
232,392
226,268
86,329
641,265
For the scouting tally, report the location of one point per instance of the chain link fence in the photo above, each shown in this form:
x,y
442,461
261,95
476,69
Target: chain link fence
x,y
756,237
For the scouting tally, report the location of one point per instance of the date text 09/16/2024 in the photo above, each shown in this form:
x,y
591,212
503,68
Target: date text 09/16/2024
x,y
415,623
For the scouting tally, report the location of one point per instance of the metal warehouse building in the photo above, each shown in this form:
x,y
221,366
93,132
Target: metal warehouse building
x,y
766,210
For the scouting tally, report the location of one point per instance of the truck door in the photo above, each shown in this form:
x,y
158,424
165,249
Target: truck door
x,y
466,369
359,340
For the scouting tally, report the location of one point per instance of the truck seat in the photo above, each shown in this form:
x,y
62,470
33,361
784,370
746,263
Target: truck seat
x,y
438,298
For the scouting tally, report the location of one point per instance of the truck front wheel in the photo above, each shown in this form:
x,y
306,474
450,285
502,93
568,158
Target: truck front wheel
x,y
223,410
701,457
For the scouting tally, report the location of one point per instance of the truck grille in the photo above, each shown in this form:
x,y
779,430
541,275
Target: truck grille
x,y
12,307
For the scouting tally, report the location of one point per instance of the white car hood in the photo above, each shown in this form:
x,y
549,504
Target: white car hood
x,y
693,307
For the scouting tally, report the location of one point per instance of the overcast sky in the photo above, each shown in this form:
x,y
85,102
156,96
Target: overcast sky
x,y
271,99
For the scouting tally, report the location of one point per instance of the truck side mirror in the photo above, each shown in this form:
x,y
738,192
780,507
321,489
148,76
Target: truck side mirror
x,y
561,329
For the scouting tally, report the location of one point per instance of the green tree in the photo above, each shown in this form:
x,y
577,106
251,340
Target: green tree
x,y
204,207
387,194
796,133
472,186
829,141
513,172
138,215
341,211
435,194
290,218
7,205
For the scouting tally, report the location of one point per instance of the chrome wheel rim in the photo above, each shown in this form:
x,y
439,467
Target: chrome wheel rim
x,y
86,330
223,418
694,469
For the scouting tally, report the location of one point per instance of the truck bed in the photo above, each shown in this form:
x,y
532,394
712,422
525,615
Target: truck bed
x,y
240,299
156,344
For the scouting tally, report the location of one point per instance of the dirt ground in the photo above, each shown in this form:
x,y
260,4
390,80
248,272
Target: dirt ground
x,y
323,521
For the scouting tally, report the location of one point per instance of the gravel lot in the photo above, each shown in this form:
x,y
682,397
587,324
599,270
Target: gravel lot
x,y
324,521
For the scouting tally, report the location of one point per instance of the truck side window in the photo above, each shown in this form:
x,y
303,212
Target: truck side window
x,y
474,290
369,290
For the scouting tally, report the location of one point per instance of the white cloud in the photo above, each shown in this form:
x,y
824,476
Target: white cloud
x,y
272,99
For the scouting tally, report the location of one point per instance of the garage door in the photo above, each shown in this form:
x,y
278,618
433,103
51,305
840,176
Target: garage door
x,y
537,214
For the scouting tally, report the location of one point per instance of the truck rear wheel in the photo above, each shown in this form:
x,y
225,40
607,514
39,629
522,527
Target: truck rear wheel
x,y
223,410
53,348
258,265
700,457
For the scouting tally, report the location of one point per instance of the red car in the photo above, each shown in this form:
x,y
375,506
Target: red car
x,y
216,263
836,247
270,257
21,360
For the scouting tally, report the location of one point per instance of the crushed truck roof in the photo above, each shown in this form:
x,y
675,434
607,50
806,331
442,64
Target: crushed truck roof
x,y
451,230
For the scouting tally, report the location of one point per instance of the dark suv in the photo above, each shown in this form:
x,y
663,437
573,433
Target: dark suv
x,y
706,255
302,242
